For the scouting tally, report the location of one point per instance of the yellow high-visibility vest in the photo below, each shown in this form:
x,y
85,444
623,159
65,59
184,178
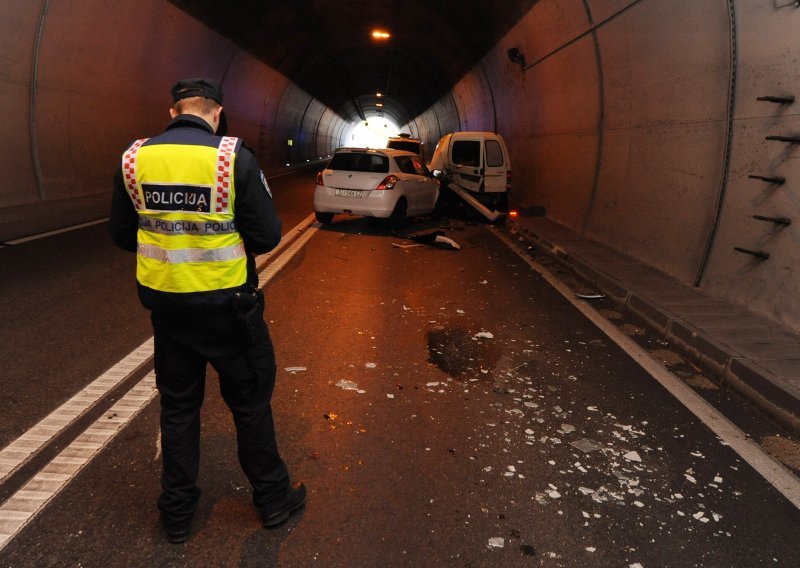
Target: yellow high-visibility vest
x,y
187,238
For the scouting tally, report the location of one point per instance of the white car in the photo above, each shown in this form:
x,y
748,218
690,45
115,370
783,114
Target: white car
x,y
384,183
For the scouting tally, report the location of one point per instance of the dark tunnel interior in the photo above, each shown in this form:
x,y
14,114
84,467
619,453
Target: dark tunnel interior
x,y
327,49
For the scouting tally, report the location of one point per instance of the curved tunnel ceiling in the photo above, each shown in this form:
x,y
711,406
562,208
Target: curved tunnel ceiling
x,y
325,46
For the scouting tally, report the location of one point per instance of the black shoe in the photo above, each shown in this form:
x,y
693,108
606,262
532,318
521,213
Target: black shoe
x,y
177,532
177,536
294,499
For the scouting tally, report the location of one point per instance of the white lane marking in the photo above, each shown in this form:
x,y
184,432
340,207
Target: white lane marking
x,y
23,506
267,274
105,219
18,452
55,232
286,240
28,501
774,472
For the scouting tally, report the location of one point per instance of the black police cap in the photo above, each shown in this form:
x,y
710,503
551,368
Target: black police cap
x,y
199,87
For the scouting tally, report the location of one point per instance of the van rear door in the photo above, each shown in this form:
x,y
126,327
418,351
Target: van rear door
x,y
466,155
496,166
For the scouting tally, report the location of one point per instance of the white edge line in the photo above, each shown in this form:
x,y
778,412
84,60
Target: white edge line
x,y
286,240
54,480
38,236
267,274
55,232
770,469
130,405
14,455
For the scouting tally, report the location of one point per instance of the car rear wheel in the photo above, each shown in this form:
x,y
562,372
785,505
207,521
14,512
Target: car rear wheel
x,y
323,218
398,216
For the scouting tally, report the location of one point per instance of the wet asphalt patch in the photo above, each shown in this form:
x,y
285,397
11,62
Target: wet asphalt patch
x,y
461,354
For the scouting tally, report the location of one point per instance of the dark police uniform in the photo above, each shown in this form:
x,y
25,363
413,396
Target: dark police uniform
x,y
196,207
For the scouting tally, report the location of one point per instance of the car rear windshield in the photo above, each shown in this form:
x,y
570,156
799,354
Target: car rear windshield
x,y
359,162
404,145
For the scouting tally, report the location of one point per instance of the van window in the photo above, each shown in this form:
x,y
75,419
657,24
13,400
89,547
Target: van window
x,y
494,154
467,153
359,162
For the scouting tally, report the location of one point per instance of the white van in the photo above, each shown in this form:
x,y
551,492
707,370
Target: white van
x,y
477,162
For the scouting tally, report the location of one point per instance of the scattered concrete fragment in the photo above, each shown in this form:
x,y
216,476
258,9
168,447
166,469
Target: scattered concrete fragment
x,y
567,428
344,384
497,542
294,370
586,445
632,456
483,334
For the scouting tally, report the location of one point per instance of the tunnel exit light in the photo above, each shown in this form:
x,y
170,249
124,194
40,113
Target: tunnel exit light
x,y
380,34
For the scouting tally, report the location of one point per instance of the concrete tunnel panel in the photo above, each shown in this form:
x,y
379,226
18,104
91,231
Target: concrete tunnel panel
x,y
617,124
104,74
765,68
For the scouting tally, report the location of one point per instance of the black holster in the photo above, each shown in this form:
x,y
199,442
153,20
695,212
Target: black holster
x,y
249,308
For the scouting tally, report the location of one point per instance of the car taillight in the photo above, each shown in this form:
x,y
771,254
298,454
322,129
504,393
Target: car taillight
x,y
388,182
319,179
508,180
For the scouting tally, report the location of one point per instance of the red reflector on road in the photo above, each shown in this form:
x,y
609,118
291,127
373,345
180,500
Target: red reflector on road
x,y
513,213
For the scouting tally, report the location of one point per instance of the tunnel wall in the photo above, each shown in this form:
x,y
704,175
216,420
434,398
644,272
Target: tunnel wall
x,y
635,123
86,78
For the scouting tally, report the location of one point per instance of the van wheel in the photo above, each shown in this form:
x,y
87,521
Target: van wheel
x,y
323,218
398,216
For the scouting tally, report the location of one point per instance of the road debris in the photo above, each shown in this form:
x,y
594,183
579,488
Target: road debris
x,y
434,238
344,384
497,542
586,445
294,370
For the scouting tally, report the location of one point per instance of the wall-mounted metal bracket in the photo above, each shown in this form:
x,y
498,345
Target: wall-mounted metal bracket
x,y
789,139
779,100
756,253
772,180
777,220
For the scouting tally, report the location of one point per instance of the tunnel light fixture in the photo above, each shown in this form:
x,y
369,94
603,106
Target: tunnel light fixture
x,y
378,104
379,95
380,34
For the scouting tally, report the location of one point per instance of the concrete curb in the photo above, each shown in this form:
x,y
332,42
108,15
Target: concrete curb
x,y
725,364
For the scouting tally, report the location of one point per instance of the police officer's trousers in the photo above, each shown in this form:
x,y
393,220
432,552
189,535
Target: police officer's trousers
x,y
183,347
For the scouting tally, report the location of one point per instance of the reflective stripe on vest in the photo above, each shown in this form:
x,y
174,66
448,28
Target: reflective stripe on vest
x,y
185,227
191,255
184,195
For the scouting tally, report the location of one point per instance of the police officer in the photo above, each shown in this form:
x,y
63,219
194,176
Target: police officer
x,y
194,206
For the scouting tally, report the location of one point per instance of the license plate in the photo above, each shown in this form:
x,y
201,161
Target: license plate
x,y
349,192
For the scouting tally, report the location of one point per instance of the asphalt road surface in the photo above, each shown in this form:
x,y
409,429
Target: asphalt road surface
x,y
444,408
